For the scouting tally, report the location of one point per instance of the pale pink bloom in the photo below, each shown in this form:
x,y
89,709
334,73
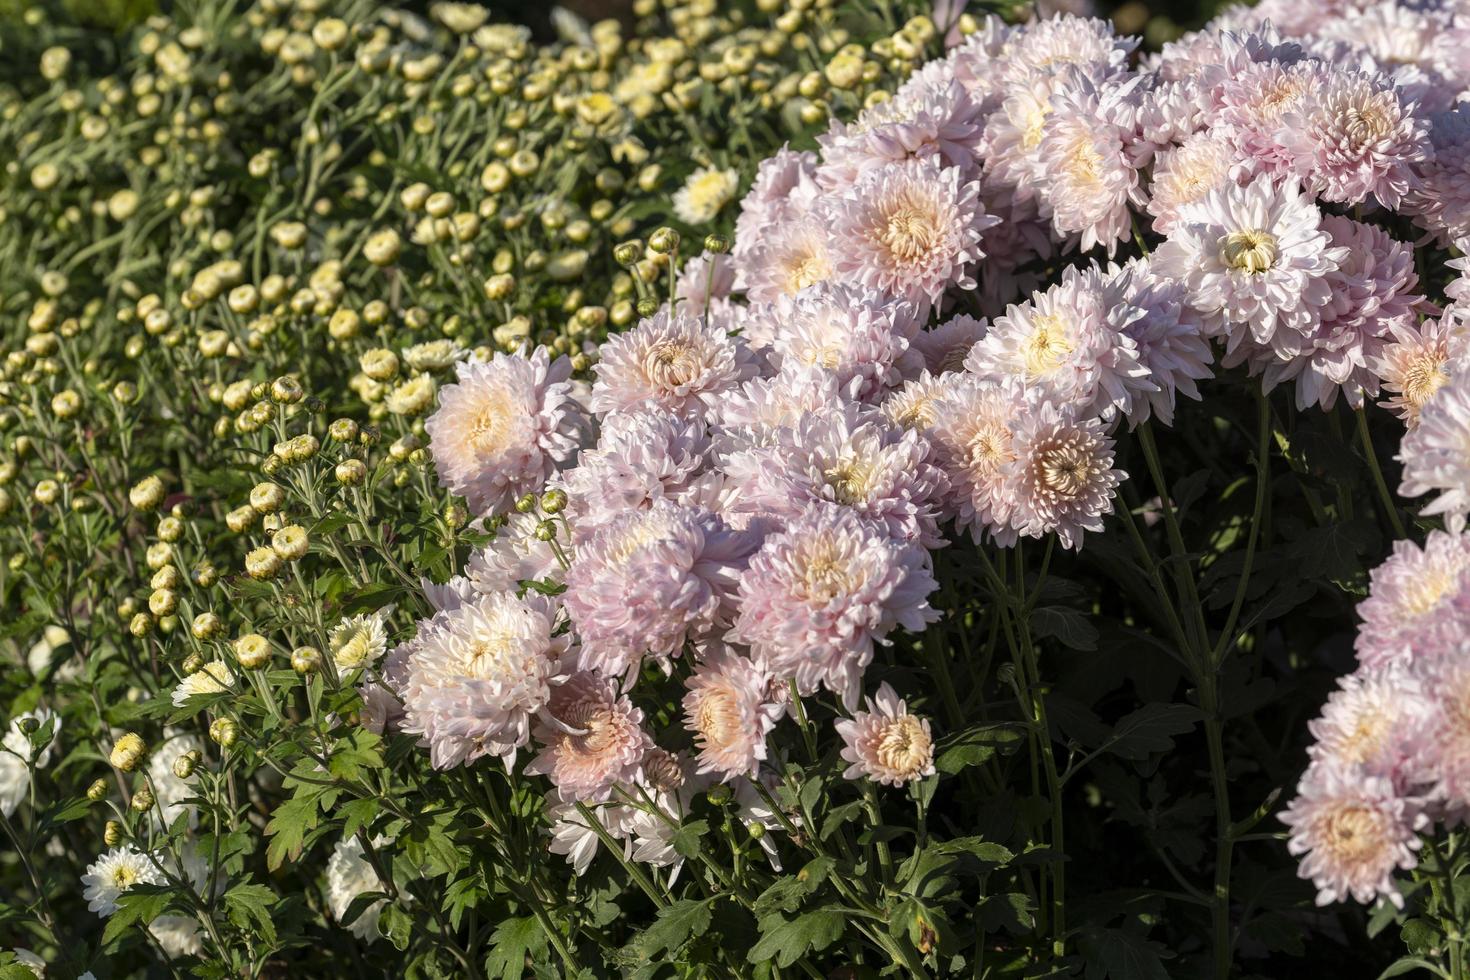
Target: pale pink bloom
x,y
910,230
784,187
1421,39
1187,173
1411,613
1352,832
1374,720
978,59
727,711
1089,179
818,596
1436,453
706,278
1170,336
1356,138
916,405
754,414
1414,364
1052,45
1443,757
1061,474
1371,292
946,346
479,676
1070,342
679,363
513,556
592,739
789,256
1256,106
971,436
651,580
640,457
850,456
1257,257
575,837
504,428
859,337
885,743
1442,201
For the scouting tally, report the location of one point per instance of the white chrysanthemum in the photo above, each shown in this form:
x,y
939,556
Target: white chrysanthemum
x,y
504,428
1187,173
1257,257
513,556
1172,344
910,230
1436,454
885,743
678,363
16,751
787,258
214,677
860,338
114,873
705,194
177,935
169,790
753,415
784,188
350,874
358,641
1373,720
484,670
1414,365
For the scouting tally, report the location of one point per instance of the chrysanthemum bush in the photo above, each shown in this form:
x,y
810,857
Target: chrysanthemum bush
x,y
940,545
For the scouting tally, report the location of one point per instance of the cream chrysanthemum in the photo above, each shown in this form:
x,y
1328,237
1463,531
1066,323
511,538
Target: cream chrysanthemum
x,y
350,874
885,743
705,194
114,873
358,641
215,677
727,712
680,363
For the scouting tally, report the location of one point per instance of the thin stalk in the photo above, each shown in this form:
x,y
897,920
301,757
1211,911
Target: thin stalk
x,y
1383,495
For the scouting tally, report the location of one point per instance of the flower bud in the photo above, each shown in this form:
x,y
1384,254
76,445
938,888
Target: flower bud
x,y
112,833
343,430
262,564
142,799
554,501
128,751
286,390
664,240
140,625
546,531
252,651
267,498
306,660
147,495
97,792
206,626
163,601
351,472
185,764
224,732
291,542
628,253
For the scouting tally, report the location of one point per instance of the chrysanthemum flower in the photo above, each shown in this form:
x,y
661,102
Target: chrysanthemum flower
x,y
705,194
592,738
784,187
704,279
946,346
504,428
513,556
916,405
651,580
679,363
848,456
114,873
168,789
862,339
787,258
1411,613
214,677
1414,364
1374,720
909,230
885,743
1170,337
820,594
1061,473
1255,105
1436,453
641,457
1256,256
358,641
727,711
350,874
754,414
1441,202
1187,173
1070,342
1356,138
479,676
1352,832
1053,44
971,436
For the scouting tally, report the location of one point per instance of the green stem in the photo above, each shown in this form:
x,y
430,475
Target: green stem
x,y
1383,495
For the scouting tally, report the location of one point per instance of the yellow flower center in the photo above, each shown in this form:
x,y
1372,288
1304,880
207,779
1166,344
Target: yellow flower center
x,y
670,364
1252,251
851,481
1046,348
487,434
1353,833
903,746
910,232
1066,469
717,718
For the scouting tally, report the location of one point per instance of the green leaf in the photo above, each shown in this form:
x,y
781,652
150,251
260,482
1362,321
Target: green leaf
x,y
976,746
787,893
513,940
1069,626
138,907
397,925
788,940
686,839
1151,729
1408,963
1120,955
675,925
246,903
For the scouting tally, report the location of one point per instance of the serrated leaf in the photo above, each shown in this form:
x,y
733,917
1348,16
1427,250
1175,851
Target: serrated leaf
x,y
976,746
1116,954
138,907
787,940
685,840
1069,626
674,926
513,940
247,903
787,893
1151,729
1400,967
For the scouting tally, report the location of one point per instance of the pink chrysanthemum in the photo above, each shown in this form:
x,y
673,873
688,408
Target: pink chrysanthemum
x,y
1352,832
946,346
1051,45
640,457
753,415
705,279
1172,345
649,581
1436,453
1255,106
1422,39
860,338
1443,756
1187,173
1371,292
1410,613
1256,256
504,428
1374,720
910,230
1355,138
786,258
820,594
1061,473
885,743
784,186
1414,364
727,710
1090,181
1441,202
849,456
484,670
679,363
1070,342
592,738
916,405
971,436
513,556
